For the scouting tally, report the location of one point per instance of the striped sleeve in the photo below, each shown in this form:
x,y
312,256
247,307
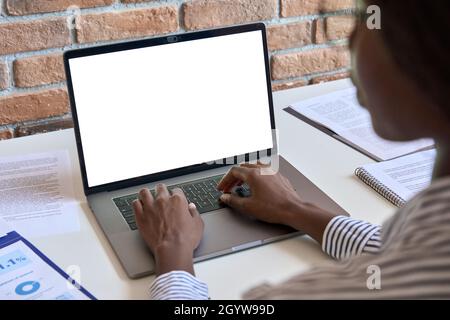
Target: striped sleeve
x,y
178,285
413,263
345,237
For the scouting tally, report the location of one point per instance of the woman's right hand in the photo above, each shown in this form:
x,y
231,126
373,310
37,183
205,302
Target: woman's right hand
x,y
273,199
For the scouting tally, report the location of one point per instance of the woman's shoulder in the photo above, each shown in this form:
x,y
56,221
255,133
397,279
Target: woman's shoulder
x,y
425,220
435,198
424,216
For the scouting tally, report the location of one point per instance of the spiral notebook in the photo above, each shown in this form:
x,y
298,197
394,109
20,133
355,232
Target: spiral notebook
x,y
400,179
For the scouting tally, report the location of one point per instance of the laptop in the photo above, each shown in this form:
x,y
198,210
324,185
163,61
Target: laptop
x,y
180,110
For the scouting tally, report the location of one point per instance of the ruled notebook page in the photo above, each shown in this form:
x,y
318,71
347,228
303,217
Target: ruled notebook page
x,y
405,176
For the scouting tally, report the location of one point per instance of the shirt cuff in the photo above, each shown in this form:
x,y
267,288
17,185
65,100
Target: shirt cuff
x,y
178,285
345,237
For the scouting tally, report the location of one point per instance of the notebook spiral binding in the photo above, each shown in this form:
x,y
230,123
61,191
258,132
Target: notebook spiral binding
x,y
379,187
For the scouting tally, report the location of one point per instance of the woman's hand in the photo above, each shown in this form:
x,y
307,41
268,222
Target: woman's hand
x,y
170,226
273,200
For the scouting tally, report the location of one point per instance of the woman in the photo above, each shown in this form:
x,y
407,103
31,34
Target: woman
x,y
403,77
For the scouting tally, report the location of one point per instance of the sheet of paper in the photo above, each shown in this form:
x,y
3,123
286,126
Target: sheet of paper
x,y
406,176
341,113
36,194
25,276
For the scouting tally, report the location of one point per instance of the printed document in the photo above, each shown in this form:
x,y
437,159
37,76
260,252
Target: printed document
x,y
27,274
36,194
341,113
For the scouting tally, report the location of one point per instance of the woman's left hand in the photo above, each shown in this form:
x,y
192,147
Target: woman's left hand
x,y
170,226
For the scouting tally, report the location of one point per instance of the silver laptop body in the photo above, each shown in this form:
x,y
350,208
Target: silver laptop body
x,y
155,111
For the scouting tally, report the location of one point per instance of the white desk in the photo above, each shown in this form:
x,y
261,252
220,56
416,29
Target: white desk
x,y
324,160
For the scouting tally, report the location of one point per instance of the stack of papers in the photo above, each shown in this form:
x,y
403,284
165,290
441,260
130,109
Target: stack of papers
x,y
340,115
36,194
36,199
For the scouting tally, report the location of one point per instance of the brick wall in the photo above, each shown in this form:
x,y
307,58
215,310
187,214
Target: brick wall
x,y
307,41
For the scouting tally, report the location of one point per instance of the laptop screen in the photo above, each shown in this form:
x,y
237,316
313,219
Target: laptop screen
x,y
153,109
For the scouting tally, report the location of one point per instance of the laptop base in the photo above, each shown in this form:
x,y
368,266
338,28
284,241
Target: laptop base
x,y
225,230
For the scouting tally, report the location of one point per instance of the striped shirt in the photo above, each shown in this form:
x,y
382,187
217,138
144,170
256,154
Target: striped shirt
x,y
408,258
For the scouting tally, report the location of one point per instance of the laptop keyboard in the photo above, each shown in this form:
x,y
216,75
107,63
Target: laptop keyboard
x,y
203,193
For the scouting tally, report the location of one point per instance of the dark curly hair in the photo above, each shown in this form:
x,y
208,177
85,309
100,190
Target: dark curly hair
x,y
416,32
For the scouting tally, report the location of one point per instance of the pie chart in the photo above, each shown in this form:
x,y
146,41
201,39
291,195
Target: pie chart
x,y
27,287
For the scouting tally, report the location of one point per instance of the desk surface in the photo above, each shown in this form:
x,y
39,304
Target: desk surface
x,y
325,161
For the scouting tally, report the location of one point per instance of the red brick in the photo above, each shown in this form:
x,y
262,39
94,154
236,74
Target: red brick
x,y
331,77
289,35
290,8
201,14
303,63
39,70
24,7
31,106
333,28
6,134
288,85
48,126
3,76
33,35
127,24
135,1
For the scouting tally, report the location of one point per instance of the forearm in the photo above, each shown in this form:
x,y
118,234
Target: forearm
x,y
175,275
339,235
309,219
173,257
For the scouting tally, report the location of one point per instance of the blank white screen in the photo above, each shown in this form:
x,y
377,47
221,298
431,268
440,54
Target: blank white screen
x,y
154,109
